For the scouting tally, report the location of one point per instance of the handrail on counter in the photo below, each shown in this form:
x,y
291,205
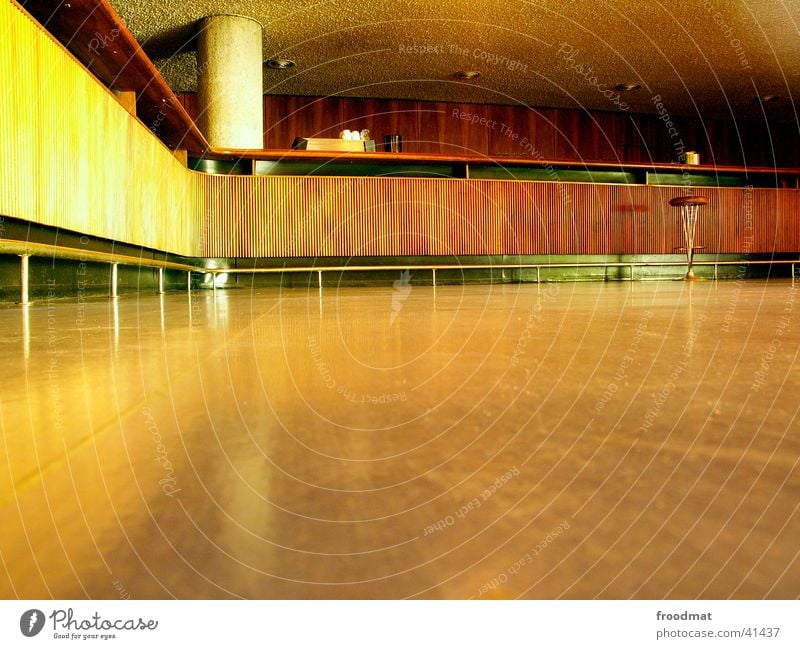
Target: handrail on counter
x,y
538,267
25,250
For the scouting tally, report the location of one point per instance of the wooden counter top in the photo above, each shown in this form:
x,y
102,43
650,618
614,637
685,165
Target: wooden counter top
x,y
501,161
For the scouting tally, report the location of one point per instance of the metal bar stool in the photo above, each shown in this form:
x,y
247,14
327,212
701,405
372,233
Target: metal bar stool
x,y
689,206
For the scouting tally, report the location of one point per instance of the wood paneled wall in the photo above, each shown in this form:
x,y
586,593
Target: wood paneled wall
x,y
72,157
275,216
549,133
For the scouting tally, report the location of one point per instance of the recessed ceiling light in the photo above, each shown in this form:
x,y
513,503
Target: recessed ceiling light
x,y
627,87
468,74
280,64
766,99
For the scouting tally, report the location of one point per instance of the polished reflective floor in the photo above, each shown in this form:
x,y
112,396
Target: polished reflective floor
x,y
541,441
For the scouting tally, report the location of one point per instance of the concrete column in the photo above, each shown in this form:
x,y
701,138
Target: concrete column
x,y
230,85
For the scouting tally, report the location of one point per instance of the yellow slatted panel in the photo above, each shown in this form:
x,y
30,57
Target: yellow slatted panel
x,y
72,157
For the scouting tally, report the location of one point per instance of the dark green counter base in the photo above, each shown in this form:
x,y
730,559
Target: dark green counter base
x,y
674,268
61,278
65,278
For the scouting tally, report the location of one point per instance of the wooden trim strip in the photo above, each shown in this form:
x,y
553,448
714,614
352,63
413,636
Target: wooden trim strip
x,y
26,248
101,44
499,266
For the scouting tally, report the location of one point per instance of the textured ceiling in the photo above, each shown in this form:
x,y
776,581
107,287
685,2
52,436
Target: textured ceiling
x,y
706,57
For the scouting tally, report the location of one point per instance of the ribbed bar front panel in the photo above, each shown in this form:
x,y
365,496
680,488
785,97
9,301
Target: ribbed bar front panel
x,y
287,216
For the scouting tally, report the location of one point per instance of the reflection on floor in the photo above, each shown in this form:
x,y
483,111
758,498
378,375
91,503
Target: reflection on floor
x,y
563,440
